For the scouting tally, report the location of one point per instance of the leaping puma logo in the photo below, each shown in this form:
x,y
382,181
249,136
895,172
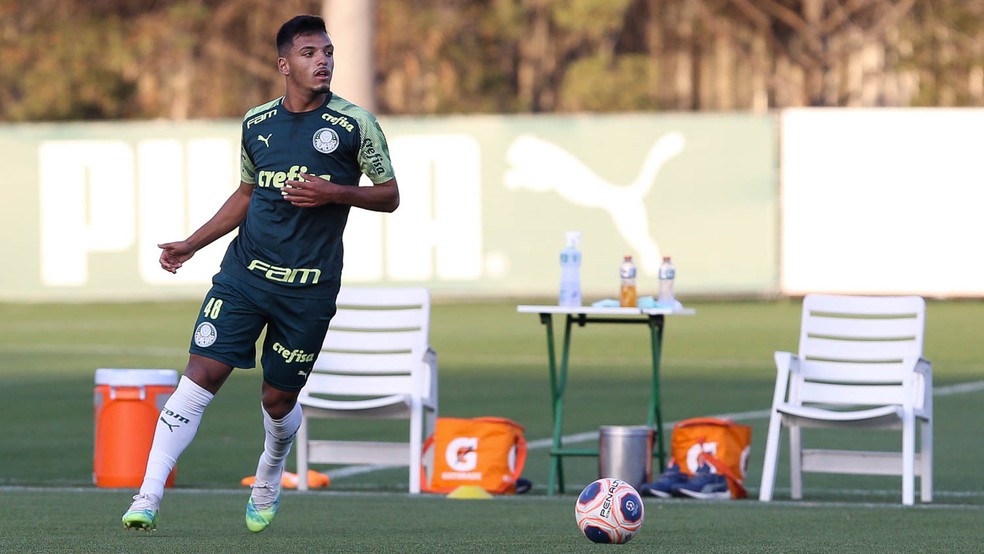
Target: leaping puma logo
x,y
169,426
542,166
264,139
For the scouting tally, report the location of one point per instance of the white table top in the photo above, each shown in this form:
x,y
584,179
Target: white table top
x,y
592,310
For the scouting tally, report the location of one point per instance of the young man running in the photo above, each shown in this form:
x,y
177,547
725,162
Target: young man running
x,y
302,158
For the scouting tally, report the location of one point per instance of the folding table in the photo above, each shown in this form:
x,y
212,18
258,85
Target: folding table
x,y
654,318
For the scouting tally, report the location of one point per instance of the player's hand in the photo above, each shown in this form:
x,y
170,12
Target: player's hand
x,y
309,191
175,254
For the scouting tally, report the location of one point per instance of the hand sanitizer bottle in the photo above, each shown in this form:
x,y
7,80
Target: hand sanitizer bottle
x,y
570,271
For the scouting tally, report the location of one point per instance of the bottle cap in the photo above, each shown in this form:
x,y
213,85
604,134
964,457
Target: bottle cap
x,y
573,238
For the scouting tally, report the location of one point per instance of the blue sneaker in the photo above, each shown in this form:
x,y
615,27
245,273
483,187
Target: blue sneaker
x,y
663,487
705,485
523,486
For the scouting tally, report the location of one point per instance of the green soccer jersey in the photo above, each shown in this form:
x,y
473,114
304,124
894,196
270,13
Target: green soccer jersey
x,y
284,248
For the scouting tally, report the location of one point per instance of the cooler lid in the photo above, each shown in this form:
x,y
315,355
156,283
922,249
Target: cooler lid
x,y
136,377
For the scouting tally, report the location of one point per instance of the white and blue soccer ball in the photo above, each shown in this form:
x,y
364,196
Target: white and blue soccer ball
x,y
609,511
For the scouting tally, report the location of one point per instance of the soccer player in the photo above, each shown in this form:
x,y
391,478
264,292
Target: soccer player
x,y
302,158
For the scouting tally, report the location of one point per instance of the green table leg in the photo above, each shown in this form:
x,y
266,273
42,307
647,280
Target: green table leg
x,y
547,321
558,439
655,400
558,382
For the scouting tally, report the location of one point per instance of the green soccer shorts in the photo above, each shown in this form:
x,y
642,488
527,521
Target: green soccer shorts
x,y
234,314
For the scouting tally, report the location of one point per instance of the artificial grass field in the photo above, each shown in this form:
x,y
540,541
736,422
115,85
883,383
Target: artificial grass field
x,y
492,362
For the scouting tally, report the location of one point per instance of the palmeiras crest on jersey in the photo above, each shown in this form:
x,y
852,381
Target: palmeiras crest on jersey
x,y
205,335
325,140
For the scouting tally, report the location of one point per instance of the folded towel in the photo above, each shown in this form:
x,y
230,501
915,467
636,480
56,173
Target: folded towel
x,y
644,303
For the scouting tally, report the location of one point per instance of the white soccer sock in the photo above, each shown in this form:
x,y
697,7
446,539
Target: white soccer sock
x,y
279,438
176,427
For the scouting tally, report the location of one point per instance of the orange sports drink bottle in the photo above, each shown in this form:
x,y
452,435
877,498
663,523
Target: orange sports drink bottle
x,y
627,297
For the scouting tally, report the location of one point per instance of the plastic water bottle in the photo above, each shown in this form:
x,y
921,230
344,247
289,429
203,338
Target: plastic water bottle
x,y
627,297
570,271
667,273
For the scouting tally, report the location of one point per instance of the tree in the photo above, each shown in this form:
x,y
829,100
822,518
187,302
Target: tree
x,y
943,47
183,59
817,35
114,59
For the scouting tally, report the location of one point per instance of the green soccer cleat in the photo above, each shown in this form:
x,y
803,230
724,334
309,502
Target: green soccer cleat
x,y
262,506
142,514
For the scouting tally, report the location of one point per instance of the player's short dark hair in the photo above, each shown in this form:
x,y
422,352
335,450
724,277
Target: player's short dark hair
x,y
296,26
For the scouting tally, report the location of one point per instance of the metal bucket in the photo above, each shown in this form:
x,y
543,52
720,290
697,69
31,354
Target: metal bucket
x,y
626,453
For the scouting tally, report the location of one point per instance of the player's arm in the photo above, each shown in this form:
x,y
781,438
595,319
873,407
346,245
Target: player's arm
x,y
312,191
230,215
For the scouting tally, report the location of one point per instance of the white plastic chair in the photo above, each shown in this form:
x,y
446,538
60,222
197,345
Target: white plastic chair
x,y
375,363
859,366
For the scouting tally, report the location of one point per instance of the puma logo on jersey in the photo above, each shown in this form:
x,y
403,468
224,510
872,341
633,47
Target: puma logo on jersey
x,y
264,139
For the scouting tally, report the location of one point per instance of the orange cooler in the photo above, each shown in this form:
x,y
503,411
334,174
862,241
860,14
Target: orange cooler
x,y
128,403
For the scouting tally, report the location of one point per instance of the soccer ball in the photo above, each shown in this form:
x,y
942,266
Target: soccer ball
x,y
609,511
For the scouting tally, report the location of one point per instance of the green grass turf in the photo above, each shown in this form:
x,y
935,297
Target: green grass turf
x,y
492,362
57,520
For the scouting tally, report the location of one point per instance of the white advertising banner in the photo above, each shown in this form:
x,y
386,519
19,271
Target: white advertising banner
x,y
485,205
882,201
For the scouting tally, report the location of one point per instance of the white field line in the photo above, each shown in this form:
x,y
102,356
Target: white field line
x,y
538,444
799,504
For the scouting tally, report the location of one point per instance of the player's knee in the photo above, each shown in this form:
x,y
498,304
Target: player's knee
x,y
278,403
207,373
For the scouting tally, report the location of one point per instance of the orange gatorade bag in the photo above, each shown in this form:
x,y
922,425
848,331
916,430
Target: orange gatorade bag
x,y
488,452
721,443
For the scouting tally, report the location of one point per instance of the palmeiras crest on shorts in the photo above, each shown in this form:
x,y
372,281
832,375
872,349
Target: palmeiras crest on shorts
x,y
325,140
205,335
